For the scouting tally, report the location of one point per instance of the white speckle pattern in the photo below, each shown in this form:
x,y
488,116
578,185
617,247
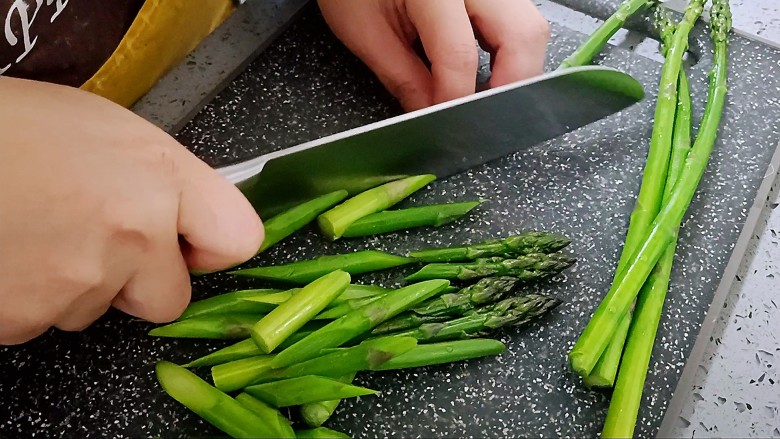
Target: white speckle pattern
x,y
100,383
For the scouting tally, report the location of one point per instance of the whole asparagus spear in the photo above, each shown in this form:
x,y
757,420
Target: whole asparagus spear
x,y
393,220
511,246
624,405
283,225
527,268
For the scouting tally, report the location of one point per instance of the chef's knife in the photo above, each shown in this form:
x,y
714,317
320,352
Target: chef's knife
x,y
444,139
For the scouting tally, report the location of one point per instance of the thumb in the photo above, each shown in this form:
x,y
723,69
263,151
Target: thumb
x,y
219,226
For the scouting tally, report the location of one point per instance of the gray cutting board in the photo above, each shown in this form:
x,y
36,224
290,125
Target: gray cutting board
x,y
100,383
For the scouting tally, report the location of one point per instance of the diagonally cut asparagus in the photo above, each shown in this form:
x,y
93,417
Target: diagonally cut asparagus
x,y
393,220
217,326
303,390
289,221
444,352
228,303
268,414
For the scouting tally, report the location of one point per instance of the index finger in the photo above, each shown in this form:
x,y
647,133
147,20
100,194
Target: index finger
x,y
446,34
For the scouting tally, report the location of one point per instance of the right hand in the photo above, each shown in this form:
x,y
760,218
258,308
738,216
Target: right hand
x,y
98,207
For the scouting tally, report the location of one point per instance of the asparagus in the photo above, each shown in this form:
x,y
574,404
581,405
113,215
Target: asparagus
x,y
352,292
486,290
393,220
407,320
303,272
268,414
238,374
243,349
316,413
527,268
597,334
515,311
334,222
605,371
598,39
286,223
445,352
290,316
624,405
304,390
228,303
320,433
212,405
345,308
217,326
512,246
358,322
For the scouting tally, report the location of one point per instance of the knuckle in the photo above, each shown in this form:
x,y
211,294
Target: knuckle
x,y
460,57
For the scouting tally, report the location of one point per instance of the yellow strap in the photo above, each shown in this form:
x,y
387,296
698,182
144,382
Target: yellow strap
x,y
162,34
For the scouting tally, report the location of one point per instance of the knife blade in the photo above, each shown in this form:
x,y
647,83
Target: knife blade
x,y
443,139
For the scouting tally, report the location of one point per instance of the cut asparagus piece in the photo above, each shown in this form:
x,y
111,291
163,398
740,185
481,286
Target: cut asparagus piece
x,y
345,308
627,395
316,413
235,375
445,352
334,222
216,326
303,272
352,292
304,390
512,246
243,349
268,414
290,316
228,303
598,39
214,406
527,268
358,322
650,239
288,222
515,311
393,220
605,371
320,433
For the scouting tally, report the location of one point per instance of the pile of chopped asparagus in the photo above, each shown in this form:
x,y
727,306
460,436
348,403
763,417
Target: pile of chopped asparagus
x,y
616,345
304,344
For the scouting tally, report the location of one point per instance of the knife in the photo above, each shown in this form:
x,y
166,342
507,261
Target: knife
x,y
443,139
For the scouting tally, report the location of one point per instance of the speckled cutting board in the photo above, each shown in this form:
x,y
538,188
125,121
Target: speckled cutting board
x,y
100,383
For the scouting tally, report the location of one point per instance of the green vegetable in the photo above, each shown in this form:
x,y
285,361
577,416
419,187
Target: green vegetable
x,y
290,316
243,349
598,39
358,322
512,246
603,374
214,406
316,413
598,333
270,415
214,326
352,292
228,303
320,433
445,352
334,222
286,223
394,220
515,311
345,308
527,268
486,290
304,390
626,397
235,375
406,320
303,272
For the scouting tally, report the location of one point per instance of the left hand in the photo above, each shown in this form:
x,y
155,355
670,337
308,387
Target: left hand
x,y
381,33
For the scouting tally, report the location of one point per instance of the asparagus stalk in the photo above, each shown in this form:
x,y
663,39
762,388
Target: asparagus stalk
x,y
242,349
304,390
445,352
512,246
352,292
527,268
286,223
486,290
216,326
598,39
268,414
320,433
290,316
303,272
345,308
238,374
393,220
605,371
358,322
214,406
404,321
316,413
624,405
228,303
515,311
334,222
598,333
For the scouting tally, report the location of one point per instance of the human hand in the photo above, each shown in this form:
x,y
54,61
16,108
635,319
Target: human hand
x,y
382,33
100,207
